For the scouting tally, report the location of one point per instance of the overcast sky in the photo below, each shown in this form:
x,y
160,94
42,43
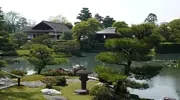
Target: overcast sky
x,y
131,11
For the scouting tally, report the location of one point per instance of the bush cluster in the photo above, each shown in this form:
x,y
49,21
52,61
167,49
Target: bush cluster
x,y
57,73
18,72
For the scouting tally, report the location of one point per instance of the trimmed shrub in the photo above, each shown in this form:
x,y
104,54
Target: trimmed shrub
x,y
49,81
19,72
60,81
57,73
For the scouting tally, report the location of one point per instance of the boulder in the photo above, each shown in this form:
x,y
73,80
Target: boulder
x,y
50,92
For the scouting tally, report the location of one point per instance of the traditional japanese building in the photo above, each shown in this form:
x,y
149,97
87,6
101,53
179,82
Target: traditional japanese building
x,y
46,27
107,33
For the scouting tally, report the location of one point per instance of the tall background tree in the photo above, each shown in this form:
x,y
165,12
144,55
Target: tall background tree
x,y
1,20
61,19
174,27
100,19
151,18
84,32
21,23
108,21
84,15
11,20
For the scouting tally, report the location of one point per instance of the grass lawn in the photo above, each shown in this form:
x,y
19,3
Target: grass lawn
x,y
21,93
32,77
26,93
68,91
23,52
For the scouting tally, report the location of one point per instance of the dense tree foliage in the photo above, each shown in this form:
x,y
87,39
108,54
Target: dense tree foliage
x,y
108,22
41,56
68,47
66,36
15,22
120,24
98,17
61,19
125,52
84,15
85,31
40,39
1,20
2,64
19,38
6,44
142,30
175,30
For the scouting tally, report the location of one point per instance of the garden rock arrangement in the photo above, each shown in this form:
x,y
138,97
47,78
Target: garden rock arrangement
x,y
54,97
6,82
50,92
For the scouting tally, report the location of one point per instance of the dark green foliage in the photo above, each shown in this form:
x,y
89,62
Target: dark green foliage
x,y
57,73
19,38
49,42
2,74
98,17
84,15
164,30
2,64
110,57
68,47
108,21
175,30
146,71
66,36
60,81
6,44
69,25
40,39
168,48
142,30
18,72
101,93
40,56
125,32
108,75
1,20
154,39
49,81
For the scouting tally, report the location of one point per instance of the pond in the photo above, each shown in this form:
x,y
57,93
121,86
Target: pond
x,y
166,84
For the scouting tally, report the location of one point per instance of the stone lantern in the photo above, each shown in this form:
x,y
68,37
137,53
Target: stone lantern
x,y
83,78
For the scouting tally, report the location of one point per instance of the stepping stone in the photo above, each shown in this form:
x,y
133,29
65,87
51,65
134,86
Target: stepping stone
x,y
48,97
81,91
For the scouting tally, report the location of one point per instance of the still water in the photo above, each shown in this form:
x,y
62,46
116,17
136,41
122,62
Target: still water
x,y
166,84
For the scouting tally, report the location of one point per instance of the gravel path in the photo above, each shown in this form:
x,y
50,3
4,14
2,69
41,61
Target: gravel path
x,y
48,97
33,84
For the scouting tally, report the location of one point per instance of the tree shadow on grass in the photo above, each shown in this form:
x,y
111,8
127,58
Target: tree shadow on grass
x,y
19,95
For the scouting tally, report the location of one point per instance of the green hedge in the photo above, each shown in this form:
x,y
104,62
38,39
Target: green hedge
x,y
168,48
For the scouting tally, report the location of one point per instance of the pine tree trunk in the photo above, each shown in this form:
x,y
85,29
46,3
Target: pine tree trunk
x,y
39,71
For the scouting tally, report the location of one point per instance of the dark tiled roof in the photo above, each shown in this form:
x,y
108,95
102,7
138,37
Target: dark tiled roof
x,y
109,30
55,27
